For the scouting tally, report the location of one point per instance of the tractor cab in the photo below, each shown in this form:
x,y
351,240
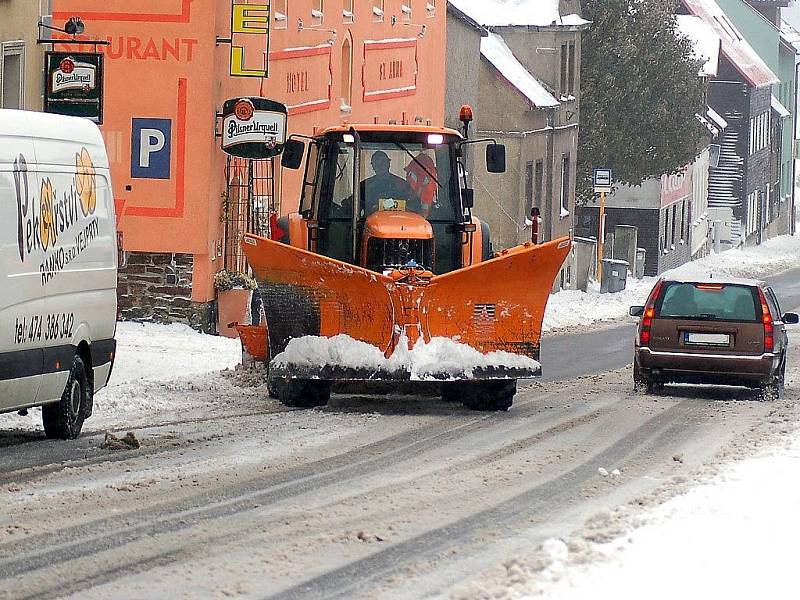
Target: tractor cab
x,y
388,197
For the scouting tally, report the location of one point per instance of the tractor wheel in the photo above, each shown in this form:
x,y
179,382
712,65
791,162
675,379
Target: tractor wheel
x,y
452,392
301,393
489,395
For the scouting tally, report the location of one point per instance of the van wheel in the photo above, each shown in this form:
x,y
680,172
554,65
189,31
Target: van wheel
x,y
489,395
302,393
64,419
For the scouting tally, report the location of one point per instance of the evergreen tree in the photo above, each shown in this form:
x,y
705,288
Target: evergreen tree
x,y
640,91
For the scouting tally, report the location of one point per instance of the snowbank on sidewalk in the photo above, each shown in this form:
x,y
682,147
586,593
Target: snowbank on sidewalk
x,y
159,371
734,538
571,308
441,358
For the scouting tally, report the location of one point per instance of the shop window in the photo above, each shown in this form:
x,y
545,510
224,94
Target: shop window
x,y
348,11
12,75
347,74
280,14
529,185
377,10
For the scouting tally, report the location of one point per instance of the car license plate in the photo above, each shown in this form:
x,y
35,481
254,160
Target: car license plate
x,y
708,339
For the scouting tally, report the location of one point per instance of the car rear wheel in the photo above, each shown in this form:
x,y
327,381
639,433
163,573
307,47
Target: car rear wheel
x,y
642,383
64,419
301,393
773,389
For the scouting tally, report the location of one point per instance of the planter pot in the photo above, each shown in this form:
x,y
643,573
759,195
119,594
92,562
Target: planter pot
x,y
233,306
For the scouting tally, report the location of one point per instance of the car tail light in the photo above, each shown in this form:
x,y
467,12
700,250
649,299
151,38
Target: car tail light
x,y
649,313
766,320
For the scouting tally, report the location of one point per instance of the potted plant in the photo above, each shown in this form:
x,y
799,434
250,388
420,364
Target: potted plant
x,y
234,290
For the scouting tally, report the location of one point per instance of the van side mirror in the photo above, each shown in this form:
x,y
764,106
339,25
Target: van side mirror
x,y
292,156
496,158
468,197
790,318
636,311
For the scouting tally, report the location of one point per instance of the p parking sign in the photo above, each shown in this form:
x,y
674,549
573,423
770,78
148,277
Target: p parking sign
x,y
151,148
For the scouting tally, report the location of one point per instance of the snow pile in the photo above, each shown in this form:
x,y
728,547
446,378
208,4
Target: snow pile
x,y
571,308
495,50
441,358
159,371
504,13
735,538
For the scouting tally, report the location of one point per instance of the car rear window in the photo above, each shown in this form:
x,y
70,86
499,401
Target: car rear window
x,y
707,301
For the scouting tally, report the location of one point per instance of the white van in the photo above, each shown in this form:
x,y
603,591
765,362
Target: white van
x,y
58,268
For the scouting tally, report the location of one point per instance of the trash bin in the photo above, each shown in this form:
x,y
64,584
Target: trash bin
x,y
641,255
615,275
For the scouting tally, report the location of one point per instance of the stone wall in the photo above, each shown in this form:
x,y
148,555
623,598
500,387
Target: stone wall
x,y
158,287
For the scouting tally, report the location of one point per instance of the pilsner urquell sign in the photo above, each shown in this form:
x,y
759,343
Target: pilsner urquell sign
x,y
253,127
74,84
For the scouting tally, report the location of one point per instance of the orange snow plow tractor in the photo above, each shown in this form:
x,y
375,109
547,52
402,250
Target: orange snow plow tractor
x,y
385,274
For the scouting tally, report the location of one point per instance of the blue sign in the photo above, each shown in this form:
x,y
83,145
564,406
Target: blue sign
x,y
151,148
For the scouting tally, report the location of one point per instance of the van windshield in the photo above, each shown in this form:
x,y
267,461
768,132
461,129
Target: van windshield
x,y
708,301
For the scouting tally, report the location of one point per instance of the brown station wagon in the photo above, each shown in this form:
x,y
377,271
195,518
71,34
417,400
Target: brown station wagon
x,y
723,332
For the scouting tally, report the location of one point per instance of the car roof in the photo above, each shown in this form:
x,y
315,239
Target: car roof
x,y
723,280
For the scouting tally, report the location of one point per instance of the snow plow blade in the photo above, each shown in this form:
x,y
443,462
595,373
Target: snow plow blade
x,y
333,321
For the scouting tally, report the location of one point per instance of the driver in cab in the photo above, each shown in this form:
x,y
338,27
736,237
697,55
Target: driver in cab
x,y
378,191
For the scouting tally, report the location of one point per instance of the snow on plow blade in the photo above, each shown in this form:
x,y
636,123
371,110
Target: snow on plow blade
x,y
331,320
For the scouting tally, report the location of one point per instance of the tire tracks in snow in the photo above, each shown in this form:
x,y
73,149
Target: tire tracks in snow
x,y
43,550
505,517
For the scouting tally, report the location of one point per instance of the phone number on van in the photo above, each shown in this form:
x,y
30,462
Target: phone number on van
x,y
52,327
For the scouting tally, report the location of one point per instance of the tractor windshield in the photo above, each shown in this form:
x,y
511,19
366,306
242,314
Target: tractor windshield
x,y
396,176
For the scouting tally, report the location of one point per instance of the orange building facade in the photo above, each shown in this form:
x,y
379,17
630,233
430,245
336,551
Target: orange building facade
x,y
170,65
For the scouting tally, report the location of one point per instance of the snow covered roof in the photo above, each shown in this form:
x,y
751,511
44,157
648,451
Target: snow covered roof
x,y
522,13
716,118
780,108
734,47
495,50
706,42
790,35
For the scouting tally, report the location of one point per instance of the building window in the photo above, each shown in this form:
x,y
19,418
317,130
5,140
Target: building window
x,y
759,132
12,75
405,10
565,176
347,75
674,230
529,185
377,10
317,12
571,68
538,183
348,11
562,88
666,231
430,8
280,14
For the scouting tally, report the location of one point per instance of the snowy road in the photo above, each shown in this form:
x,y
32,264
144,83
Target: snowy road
x,y
370,497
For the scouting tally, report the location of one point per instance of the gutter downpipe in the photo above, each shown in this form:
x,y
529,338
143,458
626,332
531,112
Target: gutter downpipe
x,y
551,119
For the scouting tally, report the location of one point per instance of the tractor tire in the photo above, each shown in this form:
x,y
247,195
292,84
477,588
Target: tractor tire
x,y
301,393
452,392
489,395
63,420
